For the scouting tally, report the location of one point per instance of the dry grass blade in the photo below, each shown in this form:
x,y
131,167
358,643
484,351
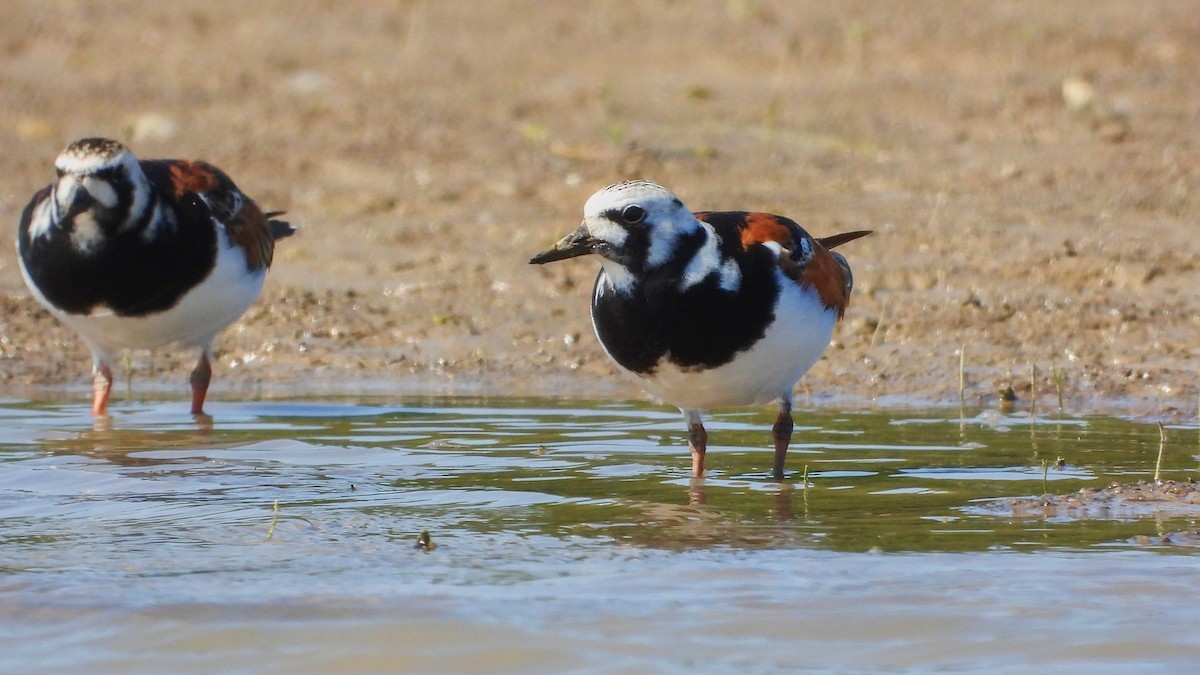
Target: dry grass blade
x,y
1162,442
274,520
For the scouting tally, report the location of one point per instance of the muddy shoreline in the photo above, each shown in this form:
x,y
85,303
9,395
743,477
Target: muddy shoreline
x,y
423,171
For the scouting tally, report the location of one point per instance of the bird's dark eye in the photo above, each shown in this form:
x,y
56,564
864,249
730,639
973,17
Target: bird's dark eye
x,y
633,214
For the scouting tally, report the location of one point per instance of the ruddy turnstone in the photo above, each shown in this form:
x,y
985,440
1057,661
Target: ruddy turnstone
x,y
141,254
709,309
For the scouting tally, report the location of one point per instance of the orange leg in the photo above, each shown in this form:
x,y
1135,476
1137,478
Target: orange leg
x,y
782,433
102,379
697,442
201,376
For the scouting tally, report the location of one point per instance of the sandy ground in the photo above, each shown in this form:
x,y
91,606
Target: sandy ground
x,y
428,148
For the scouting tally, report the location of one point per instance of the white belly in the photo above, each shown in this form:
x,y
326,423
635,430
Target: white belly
x,y
767,371
195,320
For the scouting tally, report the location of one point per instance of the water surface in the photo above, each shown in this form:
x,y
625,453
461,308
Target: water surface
x,y
283,537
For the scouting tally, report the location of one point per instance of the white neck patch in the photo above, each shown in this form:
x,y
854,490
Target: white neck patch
x,y
621,279
85,232
706,262
43,217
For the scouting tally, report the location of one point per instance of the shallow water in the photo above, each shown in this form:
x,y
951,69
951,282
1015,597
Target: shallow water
x,y
282,538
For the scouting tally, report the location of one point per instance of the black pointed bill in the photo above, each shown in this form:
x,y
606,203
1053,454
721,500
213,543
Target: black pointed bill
x,y
81,201
573,245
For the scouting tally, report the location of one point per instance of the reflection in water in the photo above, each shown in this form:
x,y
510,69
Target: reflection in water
x,y
877,481
467,508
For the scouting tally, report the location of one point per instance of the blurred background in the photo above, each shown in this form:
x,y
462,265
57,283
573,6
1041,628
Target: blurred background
x,y
1030,169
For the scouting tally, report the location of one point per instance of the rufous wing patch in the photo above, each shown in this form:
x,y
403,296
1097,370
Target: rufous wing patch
x,y
807,261
250,230
821,271
761,228
244,222
825,273
187,176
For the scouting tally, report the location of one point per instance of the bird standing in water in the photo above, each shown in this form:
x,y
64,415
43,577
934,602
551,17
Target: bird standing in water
x,y
141,254
709,309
